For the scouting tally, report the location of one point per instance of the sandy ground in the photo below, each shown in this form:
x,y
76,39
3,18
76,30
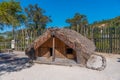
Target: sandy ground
x,y
54,72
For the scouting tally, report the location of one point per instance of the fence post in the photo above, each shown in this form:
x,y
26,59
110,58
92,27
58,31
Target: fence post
x,y
110,39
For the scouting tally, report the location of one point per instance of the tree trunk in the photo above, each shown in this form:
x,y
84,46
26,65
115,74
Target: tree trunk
x,y
78,28
13,33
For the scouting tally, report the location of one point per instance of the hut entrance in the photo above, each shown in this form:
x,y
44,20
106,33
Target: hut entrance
x,y
51,52
70,53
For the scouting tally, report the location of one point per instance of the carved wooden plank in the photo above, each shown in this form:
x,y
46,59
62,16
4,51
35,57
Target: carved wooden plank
x,y
65,40
41,40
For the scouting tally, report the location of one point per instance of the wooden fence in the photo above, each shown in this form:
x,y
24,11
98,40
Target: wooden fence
x,y
106,39
4,46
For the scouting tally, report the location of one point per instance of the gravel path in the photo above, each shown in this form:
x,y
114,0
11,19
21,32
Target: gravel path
x,y
54,72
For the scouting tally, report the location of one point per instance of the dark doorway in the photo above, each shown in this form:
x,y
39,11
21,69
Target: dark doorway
x,y
51,51
69,51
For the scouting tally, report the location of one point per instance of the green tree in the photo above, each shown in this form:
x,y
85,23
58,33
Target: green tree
x,y
36,18
1,39
77,22
114,22
11,14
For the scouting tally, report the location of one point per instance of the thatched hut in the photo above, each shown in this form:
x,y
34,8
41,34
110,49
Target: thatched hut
x,y
62,43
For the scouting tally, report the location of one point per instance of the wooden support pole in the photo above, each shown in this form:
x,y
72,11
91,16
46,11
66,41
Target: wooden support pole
x,y
53,52
36,53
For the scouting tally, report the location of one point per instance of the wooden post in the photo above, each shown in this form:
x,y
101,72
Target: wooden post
x,y
53,52
110,39
36,53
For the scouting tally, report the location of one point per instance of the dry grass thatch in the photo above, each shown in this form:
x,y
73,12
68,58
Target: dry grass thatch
x,y
82,45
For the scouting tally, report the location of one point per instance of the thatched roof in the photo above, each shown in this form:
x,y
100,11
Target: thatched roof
x,y
70,37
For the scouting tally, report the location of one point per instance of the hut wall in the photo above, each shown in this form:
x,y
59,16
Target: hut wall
x,y
82,57
60,49
44,50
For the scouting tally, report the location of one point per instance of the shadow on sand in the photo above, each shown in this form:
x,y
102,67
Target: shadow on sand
x,y
118,60
11,63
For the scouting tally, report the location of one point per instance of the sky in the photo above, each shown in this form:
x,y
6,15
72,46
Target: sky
x,y
60,10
